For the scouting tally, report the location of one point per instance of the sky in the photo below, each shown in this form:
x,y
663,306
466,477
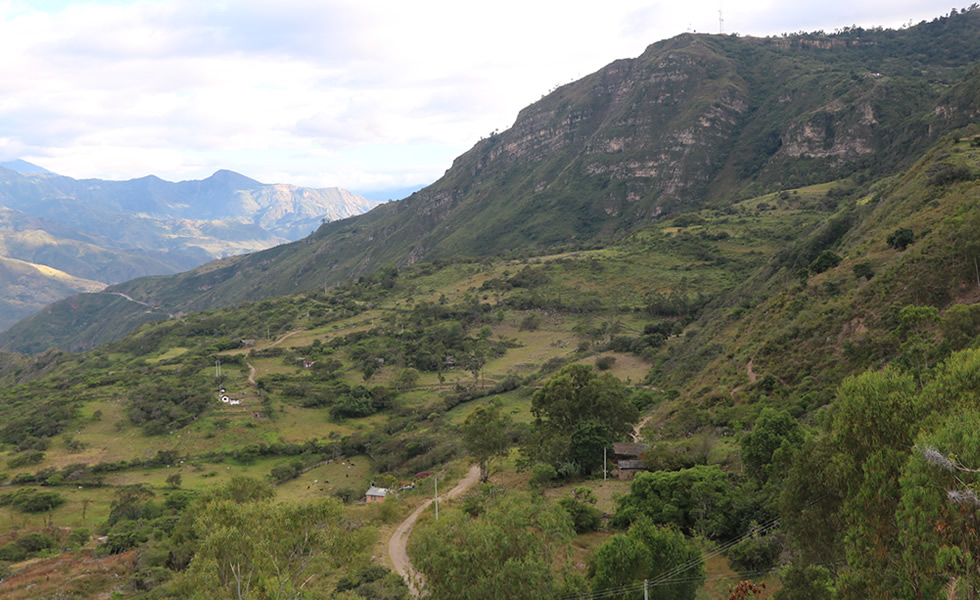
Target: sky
x,y
361,94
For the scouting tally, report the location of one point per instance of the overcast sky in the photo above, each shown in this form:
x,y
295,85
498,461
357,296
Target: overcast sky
x,y
362,94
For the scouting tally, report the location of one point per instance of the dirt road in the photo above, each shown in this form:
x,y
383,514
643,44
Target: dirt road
x,y
399,540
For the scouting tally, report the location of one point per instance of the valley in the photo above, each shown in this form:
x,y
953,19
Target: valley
x,y
60,236
711,253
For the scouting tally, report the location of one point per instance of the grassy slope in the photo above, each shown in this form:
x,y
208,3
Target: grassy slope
x,y
695,121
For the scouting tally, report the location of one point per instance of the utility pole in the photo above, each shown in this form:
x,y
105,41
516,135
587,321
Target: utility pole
x,y
435,482
217,368
603,464
646,589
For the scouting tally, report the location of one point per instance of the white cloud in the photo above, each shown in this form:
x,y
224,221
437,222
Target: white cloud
x,y
313,92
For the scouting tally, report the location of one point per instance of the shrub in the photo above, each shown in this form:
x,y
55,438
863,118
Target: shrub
x,y
946,173
863,269
901,238
29,458
31,501
12,553
827,259
604,363
542,475
531,322
35,542
753,555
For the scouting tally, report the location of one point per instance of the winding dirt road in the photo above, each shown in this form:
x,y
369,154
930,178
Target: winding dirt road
x,y
399,540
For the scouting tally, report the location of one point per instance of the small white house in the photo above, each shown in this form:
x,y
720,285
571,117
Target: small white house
x,y
235,402
225,399
376,494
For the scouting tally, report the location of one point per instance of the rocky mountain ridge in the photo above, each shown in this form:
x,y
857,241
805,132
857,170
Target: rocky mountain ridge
x,y
103,232
697,121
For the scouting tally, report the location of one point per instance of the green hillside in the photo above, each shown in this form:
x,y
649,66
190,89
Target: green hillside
x,y
793,336
695,121
711,319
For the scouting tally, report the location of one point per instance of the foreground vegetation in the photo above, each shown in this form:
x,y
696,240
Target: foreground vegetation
x,y
801,364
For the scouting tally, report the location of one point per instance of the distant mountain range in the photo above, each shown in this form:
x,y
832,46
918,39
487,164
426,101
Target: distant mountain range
x,y
695,122
59,235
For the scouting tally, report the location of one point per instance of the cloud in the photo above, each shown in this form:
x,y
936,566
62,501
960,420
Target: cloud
x,y
323,92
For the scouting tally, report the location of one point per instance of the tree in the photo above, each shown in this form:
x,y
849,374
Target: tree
x,y
901,238
263,550
918,340
876,420
696,500
774,430
960,325
621,561
486,434
576,414
407,378
808,582
661,555
938,516
174,481
825,260
581,508
130,502
863,270
513,550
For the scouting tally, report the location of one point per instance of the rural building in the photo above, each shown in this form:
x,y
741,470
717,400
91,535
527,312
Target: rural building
x,y
626,457
376,494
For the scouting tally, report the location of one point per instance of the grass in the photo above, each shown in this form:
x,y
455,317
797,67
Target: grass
x,y
322,481
606,491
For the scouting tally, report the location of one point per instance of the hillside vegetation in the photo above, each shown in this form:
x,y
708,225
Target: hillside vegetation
x,y
695,121
798,349
60,236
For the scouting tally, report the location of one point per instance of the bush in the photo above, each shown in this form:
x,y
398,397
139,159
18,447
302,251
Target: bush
x,y
946,173
542,475
35,542
604,363
31,501
531,322
79,536
901,238
753,555
29,458
863,269
125,535
346,494
12,553
824,261
580,507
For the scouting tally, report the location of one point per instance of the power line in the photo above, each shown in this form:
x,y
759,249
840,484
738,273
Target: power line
x,y
672,575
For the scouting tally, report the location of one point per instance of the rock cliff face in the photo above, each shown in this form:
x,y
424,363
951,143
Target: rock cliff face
x,y
695,121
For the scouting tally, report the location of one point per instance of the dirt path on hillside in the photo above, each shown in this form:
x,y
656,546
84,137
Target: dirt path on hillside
x,y
140,302
251,373
399,540
283,338
639,427
750,373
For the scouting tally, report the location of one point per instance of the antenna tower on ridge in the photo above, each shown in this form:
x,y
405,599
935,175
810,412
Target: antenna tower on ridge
x,y
721,20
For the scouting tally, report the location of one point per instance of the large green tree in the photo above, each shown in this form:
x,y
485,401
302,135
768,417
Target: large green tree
x,y
577,413
776,431
262,550
487,436
939,516
660,555
514,550
697,500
